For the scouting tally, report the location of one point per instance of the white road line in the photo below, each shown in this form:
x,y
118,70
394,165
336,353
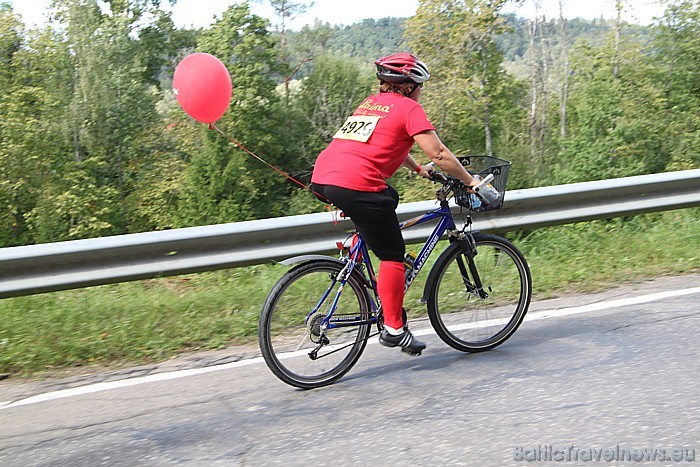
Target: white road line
x,y
546,314
611,304
89,389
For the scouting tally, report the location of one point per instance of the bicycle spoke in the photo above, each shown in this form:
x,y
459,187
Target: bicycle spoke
x,y
303,339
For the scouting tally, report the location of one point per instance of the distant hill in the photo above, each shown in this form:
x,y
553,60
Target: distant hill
x,y
372,38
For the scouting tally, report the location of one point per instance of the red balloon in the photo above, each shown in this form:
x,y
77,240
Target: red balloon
x,y
202,85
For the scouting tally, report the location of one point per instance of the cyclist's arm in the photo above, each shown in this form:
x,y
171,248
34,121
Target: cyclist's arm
x,y
438,153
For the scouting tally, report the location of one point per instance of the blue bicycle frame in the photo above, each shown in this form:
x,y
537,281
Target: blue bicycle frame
x,y
360,254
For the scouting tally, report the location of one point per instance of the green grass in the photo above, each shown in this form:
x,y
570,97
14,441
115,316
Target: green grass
x,y
150,321
597,255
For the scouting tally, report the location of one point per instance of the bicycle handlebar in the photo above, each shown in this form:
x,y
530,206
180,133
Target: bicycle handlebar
x,y
480,197
453,187
483,182
442,178
436,176
439,177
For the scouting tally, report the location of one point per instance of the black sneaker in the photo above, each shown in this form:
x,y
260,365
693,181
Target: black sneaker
x,y
405,340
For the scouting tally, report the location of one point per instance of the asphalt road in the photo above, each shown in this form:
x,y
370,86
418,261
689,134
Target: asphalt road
x,y
612,376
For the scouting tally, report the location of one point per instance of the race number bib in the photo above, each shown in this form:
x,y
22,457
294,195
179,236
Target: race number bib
x,y
358,128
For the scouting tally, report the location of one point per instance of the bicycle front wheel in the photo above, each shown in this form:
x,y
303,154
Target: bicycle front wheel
x,y
293,342
475,307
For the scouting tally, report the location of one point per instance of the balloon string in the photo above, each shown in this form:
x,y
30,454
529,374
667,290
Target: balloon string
x,y
329,205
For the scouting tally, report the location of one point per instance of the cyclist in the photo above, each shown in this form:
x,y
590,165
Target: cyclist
x,y
370,146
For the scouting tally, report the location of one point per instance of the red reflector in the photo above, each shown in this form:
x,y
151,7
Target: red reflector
x,y
356,239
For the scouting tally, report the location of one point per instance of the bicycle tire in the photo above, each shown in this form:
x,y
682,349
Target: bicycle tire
x,y
463,318
286,337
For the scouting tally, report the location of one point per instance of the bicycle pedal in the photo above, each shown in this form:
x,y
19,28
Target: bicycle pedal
x,y
411,353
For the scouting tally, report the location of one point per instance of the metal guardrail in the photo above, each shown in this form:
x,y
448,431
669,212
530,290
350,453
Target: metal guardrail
x,y
33,269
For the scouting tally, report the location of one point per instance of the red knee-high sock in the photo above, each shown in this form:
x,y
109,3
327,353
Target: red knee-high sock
x,y
390,288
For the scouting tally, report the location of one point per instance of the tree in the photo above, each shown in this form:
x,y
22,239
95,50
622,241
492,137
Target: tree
x,y
539,64
369,39
677,54
458,38
16,108
564,73
110,106
222,183
615,130
331,92
93,107
160,45
287,11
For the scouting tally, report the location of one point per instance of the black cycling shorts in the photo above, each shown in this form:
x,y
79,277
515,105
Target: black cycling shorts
x,y
374,215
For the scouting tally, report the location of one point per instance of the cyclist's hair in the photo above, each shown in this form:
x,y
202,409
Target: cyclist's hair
x,y
400,88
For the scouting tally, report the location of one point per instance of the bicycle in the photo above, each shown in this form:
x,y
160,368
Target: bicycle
x,y
318,317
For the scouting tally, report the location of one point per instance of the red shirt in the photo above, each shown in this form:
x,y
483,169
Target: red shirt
x,y
365,166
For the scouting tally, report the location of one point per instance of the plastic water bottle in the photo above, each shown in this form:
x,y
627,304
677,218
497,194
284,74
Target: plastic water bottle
x,y
490,195
487,192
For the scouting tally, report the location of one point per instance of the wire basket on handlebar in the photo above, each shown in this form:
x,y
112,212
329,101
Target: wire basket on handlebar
x,y
483,166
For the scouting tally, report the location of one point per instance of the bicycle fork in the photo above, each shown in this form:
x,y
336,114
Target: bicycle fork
x,y
477,287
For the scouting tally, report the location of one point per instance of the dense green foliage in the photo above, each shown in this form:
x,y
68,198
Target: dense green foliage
x,y
93,143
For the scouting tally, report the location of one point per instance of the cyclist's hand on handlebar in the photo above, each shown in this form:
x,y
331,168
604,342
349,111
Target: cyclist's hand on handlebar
x,y
434,176
445,178
426,171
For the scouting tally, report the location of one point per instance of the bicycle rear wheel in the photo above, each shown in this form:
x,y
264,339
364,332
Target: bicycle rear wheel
x,y
472,318
290,325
